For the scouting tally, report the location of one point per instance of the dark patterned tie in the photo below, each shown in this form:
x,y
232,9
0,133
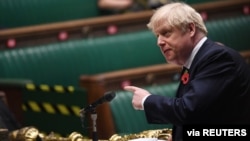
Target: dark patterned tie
x,y
185,76
183,70
179,93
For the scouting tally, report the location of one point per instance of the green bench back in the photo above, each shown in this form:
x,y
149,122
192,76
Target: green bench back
x,y
233,32
18,13
63,63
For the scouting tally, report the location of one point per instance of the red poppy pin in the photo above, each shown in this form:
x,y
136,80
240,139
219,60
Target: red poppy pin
x,y
185,77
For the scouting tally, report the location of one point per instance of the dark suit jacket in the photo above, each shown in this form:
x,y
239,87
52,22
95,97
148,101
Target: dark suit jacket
x,y
218,92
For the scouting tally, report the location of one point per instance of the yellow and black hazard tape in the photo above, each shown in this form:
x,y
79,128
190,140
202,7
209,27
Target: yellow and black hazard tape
x,y
49,88
50,108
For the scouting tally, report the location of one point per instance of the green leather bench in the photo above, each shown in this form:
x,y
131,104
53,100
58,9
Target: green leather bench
x,y
50,11
29,12
233,32
63,63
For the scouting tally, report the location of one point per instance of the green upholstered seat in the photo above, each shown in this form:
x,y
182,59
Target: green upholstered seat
x,y
233,32
127,120
63,63
15,13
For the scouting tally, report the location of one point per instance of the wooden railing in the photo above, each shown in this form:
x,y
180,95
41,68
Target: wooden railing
x,y
93,27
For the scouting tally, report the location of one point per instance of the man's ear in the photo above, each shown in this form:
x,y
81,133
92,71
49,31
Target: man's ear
x,y
191,29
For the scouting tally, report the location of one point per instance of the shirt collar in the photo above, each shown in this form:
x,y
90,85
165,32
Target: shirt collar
x,y
194,52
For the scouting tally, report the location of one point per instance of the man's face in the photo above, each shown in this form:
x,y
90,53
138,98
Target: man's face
x,y
175,44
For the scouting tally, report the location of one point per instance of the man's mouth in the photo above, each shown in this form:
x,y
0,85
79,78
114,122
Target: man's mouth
x,y
166,50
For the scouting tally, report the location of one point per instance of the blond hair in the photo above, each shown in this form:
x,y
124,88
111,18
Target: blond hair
x,y
177,14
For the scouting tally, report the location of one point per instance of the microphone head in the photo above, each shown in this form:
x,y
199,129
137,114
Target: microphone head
x,y
108,96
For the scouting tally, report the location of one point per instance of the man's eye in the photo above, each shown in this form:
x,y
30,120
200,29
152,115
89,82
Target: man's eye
x,y
166,34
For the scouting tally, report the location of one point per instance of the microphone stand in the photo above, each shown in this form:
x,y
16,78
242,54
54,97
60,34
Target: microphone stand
x,y
91,108
94,133
93,118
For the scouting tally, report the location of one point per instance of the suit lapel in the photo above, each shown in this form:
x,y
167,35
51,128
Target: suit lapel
x,y
200,53
180,88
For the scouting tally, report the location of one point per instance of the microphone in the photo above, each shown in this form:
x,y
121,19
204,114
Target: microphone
x,y
108,96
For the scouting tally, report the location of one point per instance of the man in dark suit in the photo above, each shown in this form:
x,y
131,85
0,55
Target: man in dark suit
x,y
215,83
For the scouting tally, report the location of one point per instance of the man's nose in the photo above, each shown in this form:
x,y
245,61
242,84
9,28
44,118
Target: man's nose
x,y
160,41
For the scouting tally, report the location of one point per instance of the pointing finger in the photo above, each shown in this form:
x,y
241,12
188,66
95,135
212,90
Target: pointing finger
x,y
130,88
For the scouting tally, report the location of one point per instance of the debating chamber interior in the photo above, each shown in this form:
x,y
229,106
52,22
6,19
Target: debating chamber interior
x,y
57,57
